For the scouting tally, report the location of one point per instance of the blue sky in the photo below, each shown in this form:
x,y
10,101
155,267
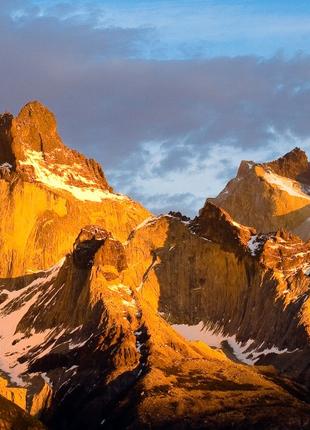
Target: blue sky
x,y
168,95
196,28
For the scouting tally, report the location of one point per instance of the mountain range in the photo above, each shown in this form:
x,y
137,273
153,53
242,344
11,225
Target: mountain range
x,y
114,318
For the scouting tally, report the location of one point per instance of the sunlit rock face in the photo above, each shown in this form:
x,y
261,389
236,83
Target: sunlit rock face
x,y
272,195
13,417
91,284
31,144
49,192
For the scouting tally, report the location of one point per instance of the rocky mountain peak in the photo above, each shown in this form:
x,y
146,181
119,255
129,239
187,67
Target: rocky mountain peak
x,y
271,195
244,168
293,165
31,147
35,129
215,224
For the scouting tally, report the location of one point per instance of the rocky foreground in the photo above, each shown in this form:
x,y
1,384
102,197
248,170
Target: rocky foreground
x,y
92,285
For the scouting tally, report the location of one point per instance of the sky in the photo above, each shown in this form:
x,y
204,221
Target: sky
x,y
169,96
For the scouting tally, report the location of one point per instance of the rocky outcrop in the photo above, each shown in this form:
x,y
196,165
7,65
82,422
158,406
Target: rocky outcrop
x,y
272,195
31,141
48,192
14,418
16,395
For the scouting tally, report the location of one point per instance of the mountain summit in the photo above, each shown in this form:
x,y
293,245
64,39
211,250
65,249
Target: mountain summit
x,y
271,195
31,145
49,191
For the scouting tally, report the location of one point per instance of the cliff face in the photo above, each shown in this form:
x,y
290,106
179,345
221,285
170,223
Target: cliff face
x,y
48,192
228,276
272,195
101,354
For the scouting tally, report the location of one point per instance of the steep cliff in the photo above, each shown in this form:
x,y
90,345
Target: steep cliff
x,y
224,274
272,195
111,361
48,192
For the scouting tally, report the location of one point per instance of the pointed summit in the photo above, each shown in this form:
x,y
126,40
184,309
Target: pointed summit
x,y
35,128
292,165
32,147
48,192
215,224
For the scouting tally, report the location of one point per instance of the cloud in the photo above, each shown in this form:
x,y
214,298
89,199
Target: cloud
x,y
160,128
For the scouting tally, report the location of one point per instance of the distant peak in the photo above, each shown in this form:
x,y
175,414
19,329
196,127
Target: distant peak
x,y
296,152
292,165
294,156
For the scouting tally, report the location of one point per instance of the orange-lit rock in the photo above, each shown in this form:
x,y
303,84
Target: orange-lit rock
x,y
48,192
272,195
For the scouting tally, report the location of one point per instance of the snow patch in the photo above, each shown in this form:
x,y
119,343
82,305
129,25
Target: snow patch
x,y
253,245
15,344
61,180
148,221
215,338
293,188
80,344
120,288
6,166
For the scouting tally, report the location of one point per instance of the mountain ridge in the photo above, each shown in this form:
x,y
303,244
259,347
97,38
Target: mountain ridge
x,y
94,295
